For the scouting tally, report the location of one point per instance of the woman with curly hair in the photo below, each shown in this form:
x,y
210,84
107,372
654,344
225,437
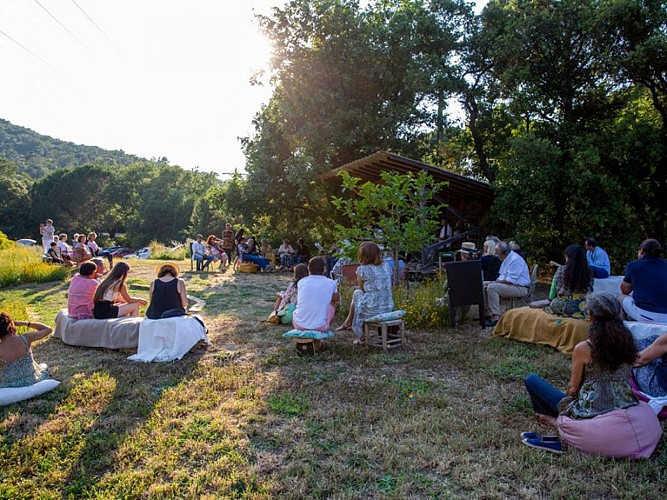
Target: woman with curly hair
x,y
571,284
599,381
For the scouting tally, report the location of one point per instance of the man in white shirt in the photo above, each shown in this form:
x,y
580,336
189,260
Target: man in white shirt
x,y
200,255
513,281
316,299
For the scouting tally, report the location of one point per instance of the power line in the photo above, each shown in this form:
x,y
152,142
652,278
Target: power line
x,y
63,26
27,50
96,25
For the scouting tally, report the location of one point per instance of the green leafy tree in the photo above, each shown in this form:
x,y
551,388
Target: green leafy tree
x,y
400,206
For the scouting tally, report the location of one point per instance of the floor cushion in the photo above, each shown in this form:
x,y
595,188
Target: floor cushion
x,y
117,333
308,334
9,395
168,339
628,433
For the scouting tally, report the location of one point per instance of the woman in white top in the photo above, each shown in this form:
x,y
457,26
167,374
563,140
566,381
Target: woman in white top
x,y
111,297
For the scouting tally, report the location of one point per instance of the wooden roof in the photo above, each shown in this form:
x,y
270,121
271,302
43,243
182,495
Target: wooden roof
x,y
460,189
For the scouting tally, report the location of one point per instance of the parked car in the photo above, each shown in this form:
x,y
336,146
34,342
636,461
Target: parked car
x,y
120,251
26,241
142,253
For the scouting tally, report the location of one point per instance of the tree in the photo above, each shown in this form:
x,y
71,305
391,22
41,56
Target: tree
x,y
14,200
400,207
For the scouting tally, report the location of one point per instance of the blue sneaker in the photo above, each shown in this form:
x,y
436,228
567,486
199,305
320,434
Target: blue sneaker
x,y
533,435
553,446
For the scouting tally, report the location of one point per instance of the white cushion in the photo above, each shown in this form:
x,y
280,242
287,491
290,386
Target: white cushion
x,y
9,395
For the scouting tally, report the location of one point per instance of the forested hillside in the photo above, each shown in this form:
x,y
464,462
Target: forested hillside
x,y
36,155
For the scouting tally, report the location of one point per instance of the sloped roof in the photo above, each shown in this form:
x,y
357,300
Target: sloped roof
x,y
459,189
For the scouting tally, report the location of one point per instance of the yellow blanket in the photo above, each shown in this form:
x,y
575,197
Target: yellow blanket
x,y
537,327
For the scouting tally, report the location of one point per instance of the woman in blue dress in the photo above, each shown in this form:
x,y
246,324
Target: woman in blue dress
x,y
374,293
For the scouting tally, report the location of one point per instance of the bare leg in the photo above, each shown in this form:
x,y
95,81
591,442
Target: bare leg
x,y
348,321
128,309
546,420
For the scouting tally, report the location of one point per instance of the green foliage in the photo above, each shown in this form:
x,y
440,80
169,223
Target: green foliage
x,y
24,265
5,242
288,404
37,155
400,206
161,252
14,200
422,308
17,310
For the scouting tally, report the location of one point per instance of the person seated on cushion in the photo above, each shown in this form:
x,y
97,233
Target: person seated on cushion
x,y
54,253
651,366
316,299
597,258
601,367
374,294
81,253
167,293
251,255
571,284
17,366
513,281
111,297
82,291
646,279
289,296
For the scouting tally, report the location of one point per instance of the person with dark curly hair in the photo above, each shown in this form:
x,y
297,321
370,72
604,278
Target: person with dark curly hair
x,y
599,381
17,366
571,284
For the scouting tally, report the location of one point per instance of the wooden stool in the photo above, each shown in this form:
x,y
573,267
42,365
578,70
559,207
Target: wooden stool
x,y
308,346
376,334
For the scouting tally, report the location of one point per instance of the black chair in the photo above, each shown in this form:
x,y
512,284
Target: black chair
x,y
464,280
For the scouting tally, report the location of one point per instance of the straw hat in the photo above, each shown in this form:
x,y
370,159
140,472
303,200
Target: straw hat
x,y
168,264
468,247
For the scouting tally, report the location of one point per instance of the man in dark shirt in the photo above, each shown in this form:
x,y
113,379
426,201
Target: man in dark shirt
x,y
646,279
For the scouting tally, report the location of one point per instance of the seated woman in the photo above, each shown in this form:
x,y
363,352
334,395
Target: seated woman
x,y
286,254
111,297
81,293
251,255
598,385
17,366
571,285
81,252
651,366
289,296
167,294
265,250
490,261
54,253
374,296
214,249
302,251
96,250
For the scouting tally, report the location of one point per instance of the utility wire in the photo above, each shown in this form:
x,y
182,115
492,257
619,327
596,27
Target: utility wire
x,y
97,26
28,50
63,26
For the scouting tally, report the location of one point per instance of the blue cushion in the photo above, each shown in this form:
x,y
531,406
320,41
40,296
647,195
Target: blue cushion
x,y
308,334
390,316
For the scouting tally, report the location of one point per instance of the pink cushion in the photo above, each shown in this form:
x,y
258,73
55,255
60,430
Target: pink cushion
x,y
629,433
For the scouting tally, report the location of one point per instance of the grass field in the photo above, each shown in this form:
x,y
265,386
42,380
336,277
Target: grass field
x,y
247,417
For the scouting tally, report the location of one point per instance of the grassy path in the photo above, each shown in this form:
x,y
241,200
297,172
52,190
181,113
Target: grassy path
x,y
246,417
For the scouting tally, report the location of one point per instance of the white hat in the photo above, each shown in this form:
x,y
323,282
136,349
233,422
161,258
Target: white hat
x,y
468,247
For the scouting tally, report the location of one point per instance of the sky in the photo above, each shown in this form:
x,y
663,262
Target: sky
x,y
155,78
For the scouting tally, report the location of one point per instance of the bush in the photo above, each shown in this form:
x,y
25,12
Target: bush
x,y
422,310
5,242
160,252
24,265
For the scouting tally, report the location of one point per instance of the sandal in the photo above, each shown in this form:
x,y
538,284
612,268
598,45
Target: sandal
x,y
343,327
359,341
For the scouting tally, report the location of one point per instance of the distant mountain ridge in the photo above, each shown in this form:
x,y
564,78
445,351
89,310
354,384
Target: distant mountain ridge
x,y
37,155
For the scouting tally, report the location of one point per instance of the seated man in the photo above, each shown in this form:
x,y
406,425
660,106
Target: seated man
x,y
646,279
316,299
81,292
54,253
200,255
513,281
597,258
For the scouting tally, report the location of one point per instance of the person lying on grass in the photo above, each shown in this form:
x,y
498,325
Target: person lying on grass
x,y
317,297
17,366
599,381
374,293
111,297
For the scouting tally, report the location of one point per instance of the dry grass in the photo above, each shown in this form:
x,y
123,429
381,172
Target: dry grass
x,y
247,417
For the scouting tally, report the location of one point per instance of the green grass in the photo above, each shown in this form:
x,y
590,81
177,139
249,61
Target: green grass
x,y
247,417
24,265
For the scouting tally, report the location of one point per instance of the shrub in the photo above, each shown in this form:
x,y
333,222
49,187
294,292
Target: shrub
x,y
24,265
5,242
160,252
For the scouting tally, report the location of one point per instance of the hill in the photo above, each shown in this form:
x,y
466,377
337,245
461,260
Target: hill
x,y
37,155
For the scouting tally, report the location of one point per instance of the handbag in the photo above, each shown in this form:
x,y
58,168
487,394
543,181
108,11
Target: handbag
x,y
274,319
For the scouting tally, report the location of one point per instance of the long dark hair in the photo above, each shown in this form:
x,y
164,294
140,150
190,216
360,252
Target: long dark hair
x,y
117,275
577,275
300,271
7,326
612,344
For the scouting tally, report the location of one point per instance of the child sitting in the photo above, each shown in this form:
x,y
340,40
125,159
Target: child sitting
x,y
316,299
